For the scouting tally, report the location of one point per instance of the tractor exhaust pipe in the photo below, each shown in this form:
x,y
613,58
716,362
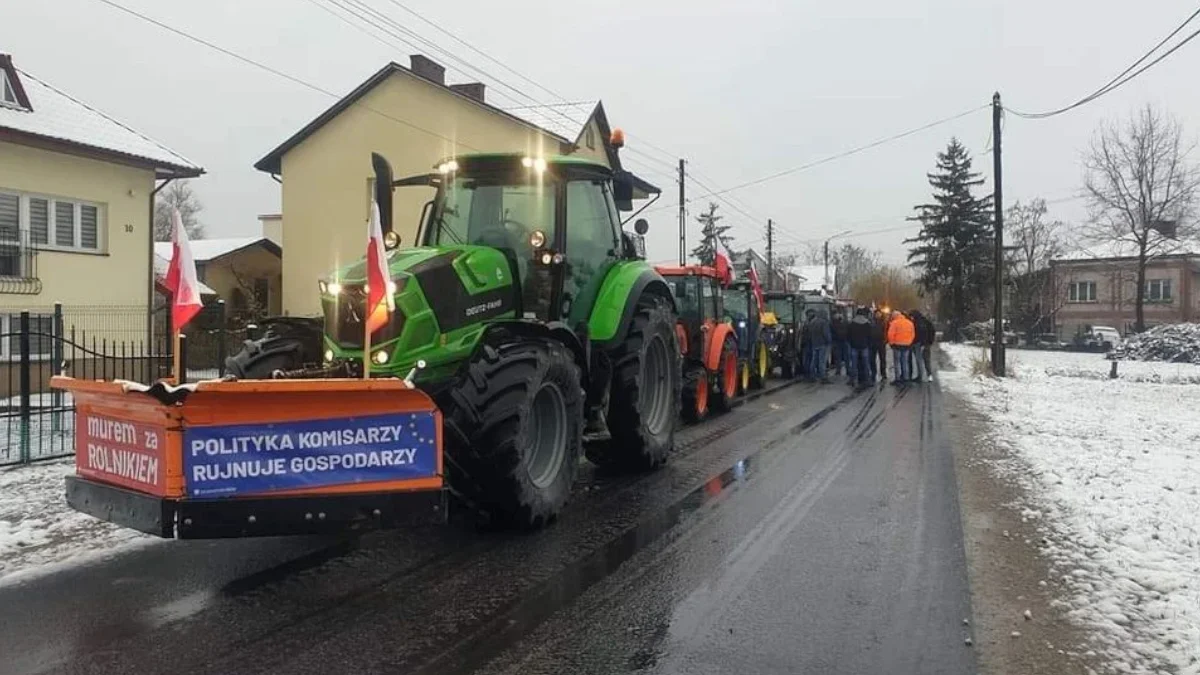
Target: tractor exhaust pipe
x,y
383,190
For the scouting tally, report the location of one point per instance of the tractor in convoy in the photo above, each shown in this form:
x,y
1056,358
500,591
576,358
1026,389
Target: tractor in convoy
x,y
782,320
706,341
742,312
524,311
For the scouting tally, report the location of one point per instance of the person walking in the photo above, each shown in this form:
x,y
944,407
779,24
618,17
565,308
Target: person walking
x,y
879,346
926,332
900,336
818,334
859,339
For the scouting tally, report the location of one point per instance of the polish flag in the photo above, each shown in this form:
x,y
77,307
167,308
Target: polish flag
x,y
181,276
723,262
757,287
380,303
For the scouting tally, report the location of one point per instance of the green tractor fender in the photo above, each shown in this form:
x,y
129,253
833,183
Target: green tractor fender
x,y
624,285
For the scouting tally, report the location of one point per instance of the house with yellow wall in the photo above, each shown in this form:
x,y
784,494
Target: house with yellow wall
x,y
76,207
242,271
411,116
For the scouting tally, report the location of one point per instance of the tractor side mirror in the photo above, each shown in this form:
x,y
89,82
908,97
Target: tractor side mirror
x,y
623,191
383,190
641,226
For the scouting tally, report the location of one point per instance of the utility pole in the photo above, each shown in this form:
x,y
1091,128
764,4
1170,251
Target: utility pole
x,y
770,255
998,205
682,219
825,279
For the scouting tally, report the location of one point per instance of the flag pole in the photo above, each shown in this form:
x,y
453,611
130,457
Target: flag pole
x,y
176,357
366,351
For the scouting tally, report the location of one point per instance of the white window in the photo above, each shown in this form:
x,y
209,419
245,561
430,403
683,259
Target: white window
x,y
50,223
41,340
1158,290
8,93
1081,291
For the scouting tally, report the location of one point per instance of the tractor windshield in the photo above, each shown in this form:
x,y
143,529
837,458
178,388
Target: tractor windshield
x,y
782,308
500,210
687,295
737,304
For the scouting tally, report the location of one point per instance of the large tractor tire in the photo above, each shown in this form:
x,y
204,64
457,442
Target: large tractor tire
x,y
727,377
759,366
696,400
286,344
644,397
514,423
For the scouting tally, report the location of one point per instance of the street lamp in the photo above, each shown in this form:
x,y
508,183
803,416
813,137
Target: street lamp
x,y
825,280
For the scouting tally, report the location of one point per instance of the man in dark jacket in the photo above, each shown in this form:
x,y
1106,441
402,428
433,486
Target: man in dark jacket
x,y
859,339
879,347
817,333
923,346
837,329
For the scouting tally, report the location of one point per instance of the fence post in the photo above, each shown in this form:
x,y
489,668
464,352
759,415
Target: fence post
x,y
183,352
221,335
56,368
25,385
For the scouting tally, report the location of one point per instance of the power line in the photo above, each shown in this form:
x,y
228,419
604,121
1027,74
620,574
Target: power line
x,y
1117,81
278,73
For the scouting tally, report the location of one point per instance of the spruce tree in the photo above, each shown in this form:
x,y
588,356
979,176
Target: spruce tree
x,y
711,231
953,252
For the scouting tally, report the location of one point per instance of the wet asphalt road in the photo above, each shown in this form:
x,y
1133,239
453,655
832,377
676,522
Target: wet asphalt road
x,y
812,530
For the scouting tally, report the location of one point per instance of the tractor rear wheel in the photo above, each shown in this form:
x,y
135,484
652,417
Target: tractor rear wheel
x,y
759,366
514,424
727,376
645,394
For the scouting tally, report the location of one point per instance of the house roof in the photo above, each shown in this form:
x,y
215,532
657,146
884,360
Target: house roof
x,y
565,120
811,275
54,115
1126,248
207,250
160,272
272,162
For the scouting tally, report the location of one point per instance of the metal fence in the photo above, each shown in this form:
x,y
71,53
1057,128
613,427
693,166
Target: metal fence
x,y
94,343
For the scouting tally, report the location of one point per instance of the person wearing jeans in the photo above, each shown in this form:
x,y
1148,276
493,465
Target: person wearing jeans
x,y
817,333
859,339
900,336
923,345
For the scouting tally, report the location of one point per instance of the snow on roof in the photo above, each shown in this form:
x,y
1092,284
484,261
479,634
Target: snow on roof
x,y
1125,248
811,275
561,119
204,250
160,269
56,115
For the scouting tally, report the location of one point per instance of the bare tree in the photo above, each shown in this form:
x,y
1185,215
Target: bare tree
x,y
177,195
1036,241
1142,190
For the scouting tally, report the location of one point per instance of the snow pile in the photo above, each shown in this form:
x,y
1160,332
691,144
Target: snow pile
x,y
38,529
1174,343
1114,469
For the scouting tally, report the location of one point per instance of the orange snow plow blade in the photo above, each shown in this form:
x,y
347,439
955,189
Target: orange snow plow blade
x,y
256,457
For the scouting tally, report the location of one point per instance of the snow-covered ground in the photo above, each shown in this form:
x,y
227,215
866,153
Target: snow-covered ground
x,y
1114,469
39,533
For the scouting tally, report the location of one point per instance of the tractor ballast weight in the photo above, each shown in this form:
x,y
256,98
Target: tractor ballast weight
x,y
741,311
707,343
531,316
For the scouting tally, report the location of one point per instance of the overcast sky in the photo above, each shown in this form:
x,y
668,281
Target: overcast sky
x,y
741,89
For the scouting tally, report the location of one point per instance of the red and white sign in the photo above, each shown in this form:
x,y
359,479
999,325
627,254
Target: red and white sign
x,y
120,452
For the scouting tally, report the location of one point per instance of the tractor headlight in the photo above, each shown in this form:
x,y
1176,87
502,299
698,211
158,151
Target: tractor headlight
x,y
322,287
381,357
448,167
334,288
537,239
741,324
391,240
328,356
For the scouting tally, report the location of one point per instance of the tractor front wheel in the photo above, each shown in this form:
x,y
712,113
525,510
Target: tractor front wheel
x,y
514,424
645,393
759,366
695,396
727,376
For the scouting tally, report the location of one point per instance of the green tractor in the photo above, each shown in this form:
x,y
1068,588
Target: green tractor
x,y
781,331
525,312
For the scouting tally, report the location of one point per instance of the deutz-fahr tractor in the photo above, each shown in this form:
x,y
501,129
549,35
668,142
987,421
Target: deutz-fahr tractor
x,y
525,312
781,331
741,311
707,342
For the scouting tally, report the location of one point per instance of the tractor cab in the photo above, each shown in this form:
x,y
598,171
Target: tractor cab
x,y
782,335
698,299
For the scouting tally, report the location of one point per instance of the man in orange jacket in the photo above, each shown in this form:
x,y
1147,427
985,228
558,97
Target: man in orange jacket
x,y
900,335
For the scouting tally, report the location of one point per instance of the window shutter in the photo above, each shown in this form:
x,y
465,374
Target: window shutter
x,y
10,216
39,220
88,235
64,223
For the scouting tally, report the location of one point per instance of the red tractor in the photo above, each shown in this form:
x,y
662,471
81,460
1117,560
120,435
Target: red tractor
x,y
708,344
